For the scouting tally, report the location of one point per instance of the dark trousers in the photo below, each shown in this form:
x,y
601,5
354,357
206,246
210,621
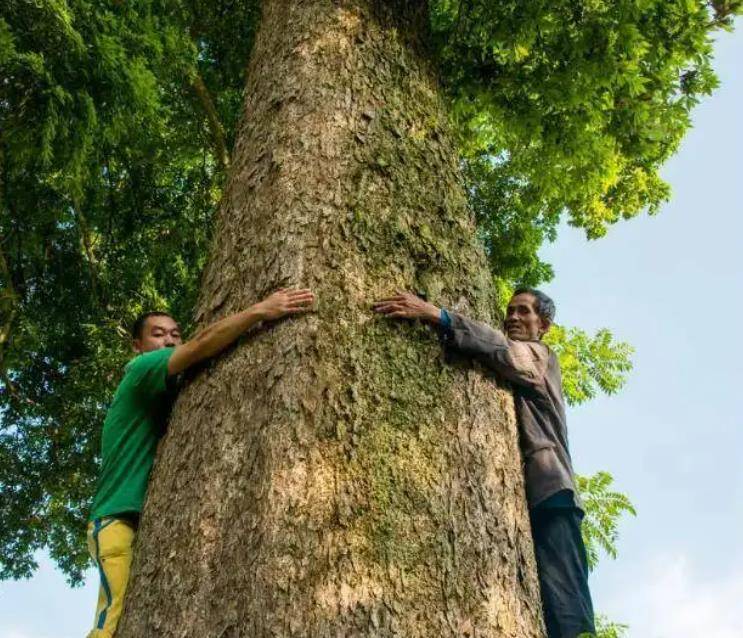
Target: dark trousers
x,y
563,571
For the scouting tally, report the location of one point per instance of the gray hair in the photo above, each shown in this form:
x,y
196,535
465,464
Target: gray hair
x,y
545,307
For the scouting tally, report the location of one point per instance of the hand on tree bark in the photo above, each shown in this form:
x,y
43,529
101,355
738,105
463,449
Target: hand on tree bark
x,y
284,302
406,305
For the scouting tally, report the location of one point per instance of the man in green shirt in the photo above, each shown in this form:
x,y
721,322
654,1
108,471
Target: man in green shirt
x,y
134,424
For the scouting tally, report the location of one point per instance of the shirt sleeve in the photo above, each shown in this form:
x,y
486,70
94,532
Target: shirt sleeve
x,y
147,373
522,362
445,320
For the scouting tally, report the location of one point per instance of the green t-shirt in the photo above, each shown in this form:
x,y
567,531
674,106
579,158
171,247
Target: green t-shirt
x,y
133,426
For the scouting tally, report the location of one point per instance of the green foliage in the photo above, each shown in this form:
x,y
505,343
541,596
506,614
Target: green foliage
x,y
608,629
589,364
511,238
107,187
114,120
571,107
603,508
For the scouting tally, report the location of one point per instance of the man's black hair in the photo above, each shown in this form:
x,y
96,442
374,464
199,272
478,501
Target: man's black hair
x,y
545,307
141,320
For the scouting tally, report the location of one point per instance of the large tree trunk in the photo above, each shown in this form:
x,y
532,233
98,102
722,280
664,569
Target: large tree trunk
x,y
331,476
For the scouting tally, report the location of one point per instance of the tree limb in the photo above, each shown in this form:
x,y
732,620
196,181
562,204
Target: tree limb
x,y
87,246
724,12
212,119
9,297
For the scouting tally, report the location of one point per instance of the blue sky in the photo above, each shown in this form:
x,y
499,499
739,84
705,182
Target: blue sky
x,y
671,286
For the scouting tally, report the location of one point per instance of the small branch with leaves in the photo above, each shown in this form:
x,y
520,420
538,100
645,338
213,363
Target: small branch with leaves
x,y
212,119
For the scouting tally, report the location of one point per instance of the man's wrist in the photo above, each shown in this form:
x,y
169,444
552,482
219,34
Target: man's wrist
x,y
433,315
255,313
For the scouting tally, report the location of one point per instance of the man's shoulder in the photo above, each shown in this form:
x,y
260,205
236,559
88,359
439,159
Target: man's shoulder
x,y
551,354
535,356
146,373
147,360
533,350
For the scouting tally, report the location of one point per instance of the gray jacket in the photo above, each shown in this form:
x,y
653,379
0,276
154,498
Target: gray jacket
x,y
534,372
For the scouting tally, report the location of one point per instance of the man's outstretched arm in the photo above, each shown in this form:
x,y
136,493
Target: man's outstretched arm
x,y
216,337
518,361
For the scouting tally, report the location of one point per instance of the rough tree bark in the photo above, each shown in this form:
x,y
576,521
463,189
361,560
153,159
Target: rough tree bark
x,y
331,476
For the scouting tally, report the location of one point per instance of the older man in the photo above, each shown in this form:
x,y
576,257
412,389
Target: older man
x,y
133,426
522,358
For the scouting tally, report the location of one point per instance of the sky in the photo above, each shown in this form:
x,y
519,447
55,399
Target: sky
x,y
671,286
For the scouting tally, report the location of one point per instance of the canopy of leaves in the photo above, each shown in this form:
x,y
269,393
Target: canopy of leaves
x,y
570,106
116,123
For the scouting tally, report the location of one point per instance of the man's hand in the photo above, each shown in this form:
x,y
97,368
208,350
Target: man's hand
x,y
284,302
405,305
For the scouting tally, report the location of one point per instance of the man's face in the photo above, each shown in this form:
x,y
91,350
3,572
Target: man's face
x,y
522,321
158,332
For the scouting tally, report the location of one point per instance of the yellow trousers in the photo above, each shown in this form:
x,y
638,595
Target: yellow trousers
x,y
110,543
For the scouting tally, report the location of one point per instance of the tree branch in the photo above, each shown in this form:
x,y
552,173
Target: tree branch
x,y
212,119
9,297
724,12
87,246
